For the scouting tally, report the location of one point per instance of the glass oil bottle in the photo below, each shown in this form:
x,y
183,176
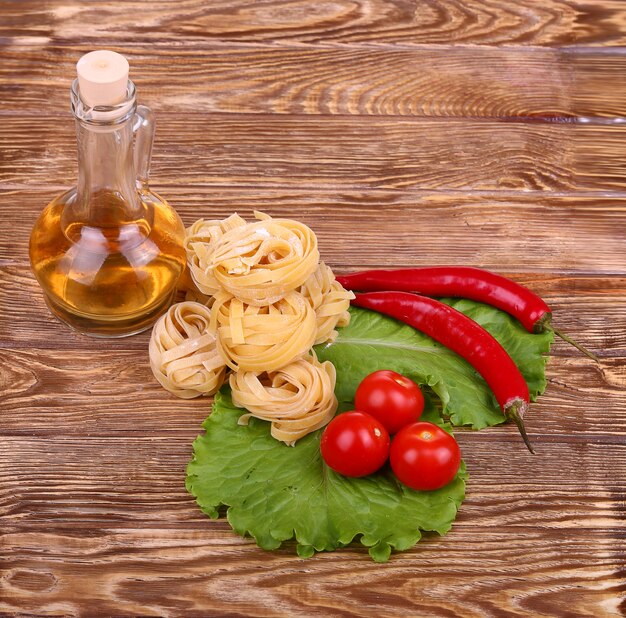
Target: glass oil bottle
x,y
108,253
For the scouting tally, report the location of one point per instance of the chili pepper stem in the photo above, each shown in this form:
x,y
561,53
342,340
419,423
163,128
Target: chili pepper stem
x,y
575,344
544,324
514,411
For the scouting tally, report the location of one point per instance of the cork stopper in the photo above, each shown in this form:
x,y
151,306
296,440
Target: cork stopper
x,y
102,78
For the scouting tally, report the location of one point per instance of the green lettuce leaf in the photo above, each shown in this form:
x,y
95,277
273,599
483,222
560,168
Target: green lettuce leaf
x,y
275,493
373,341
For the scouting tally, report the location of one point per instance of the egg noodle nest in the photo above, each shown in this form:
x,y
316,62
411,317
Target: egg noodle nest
x,y
257,300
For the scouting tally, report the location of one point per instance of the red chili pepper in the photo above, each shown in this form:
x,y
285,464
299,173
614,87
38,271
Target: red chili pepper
x,y
468,339
464,282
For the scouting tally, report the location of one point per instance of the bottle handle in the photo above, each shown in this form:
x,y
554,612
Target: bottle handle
x,y
143,128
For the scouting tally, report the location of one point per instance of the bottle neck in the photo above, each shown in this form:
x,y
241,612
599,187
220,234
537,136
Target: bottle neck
x,y
106,170
106,193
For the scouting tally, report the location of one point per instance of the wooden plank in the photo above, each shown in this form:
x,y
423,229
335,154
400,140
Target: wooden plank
x,y
71,542
390,228
549,84
78,481
342,153
147,484
582,307
72,391
192,573
341,22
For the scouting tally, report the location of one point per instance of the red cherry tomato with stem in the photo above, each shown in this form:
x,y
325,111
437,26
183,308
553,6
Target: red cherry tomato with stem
x,y
355,444
423,456
390,397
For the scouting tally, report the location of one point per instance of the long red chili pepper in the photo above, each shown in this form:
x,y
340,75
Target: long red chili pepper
x,y
464,282
468,339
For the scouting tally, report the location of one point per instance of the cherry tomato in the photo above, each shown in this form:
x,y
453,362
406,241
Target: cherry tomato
x,y
424,456
355,444
393,399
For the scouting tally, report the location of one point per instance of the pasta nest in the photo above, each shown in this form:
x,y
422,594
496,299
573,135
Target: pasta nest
x,y
297,399
329,300
183,350
201,238
253,338
262,261
257,300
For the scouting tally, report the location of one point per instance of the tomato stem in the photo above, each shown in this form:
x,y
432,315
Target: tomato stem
x,y
514,411
569,340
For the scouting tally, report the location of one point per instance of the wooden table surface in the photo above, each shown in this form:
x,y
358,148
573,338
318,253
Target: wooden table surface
x,y
405,132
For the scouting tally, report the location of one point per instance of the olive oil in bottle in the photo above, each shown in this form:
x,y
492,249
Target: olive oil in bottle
x,y
108,253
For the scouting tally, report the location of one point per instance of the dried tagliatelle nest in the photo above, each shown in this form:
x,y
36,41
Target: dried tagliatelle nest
x,y
262,261
329,300
257,299
296,399
265,338
200,242
184,356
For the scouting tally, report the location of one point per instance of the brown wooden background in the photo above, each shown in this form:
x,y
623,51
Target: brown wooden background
x,y
405,132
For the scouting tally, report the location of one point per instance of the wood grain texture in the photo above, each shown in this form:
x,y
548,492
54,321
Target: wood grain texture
x,y
343,153
330,22
582,307
87,485
530,579
481,132
62,395
89,489
555,85
191,564
502,231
